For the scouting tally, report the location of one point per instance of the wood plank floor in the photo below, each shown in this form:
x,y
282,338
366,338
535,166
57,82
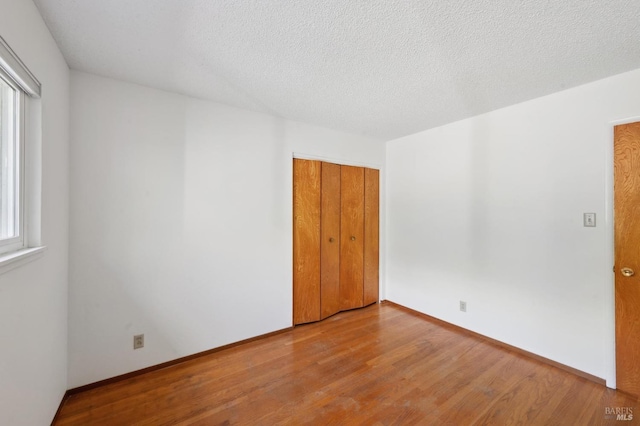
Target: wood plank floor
x,y
379,365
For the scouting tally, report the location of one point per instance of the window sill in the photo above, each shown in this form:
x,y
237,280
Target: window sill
x,y
18,258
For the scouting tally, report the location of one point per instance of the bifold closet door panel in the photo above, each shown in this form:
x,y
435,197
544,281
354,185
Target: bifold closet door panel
x,y
351,237
371,235
306,240
330,241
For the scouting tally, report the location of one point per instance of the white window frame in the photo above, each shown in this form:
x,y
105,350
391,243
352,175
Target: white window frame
x,y
17,242
24,247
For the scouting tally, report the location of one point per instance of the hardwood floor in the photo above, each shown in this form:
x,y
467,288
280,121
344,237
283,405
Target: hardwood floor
x,y
379,365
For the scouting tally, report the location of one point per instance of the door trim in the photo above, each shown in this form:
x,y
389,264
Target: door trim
x,y
610,238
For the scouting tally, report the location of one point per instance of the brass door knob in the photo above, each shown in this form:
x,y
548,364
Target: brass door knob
x,y
353,238
627,272
331,239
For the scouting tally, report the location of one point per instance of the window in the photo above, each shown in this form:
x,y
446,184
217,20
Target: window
x,y
17,87
11,166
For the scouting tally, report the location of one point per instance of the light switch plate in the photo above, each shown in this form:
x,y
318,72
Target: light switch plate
x,y
590,219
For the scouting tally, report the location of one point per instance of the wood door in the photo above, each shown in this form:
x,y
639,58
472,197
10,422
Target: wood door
x,y
330,241
627,255
371,235
306,241
351,237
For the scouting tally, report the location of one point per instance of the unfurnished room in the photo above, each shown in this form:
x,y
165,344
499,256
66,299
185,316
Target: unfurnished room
x,y
329,212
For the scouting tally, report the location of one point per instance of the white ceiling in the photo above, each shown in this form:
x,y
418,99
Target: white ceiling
x,y
381,68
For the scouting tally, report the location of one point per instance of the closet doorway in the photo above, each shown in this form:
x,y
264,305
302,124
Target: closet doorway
x,y
336,223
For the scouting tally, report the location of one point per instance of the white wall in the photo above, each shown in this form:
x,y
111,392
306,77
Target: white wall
x,y
33,297
489,210
181,224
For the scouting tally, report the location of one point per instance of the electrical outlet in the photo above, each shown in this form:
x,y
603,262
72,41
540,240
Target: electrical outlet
x,y
463,306
138,341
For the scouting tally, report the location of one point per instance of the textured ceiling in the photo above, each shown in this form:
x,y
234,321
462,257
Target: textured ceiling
x,y
381,68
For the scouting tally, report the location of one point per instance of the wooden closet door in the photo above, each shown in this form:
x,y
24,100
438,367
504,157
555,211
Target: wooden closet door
x,y
351,237
306,241
330,241
371,235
